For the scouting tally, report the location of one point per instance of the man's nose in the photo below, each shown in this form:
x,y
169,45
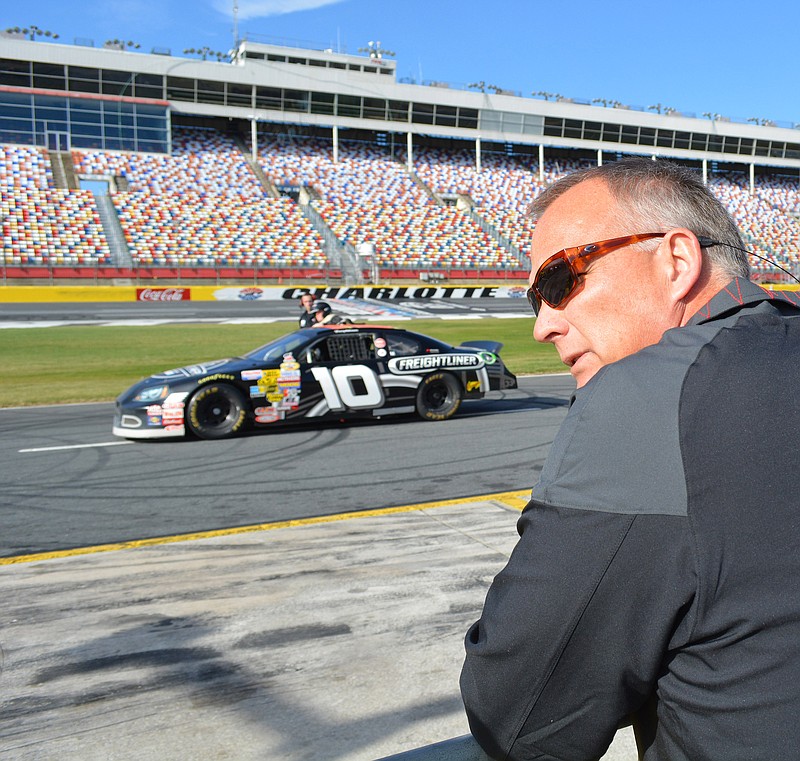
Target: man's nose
x,y
549,324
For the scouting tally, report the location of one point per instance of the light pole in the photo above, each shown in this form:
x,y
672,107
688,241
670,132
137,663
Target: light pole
x,y
32,31
121,44
205,51
375,50
661,109
762,122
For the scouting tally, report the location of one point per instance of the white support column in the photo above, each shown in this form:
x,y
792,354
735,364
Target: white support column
x,y
254,137
409,152
335,131
599,157
541,163
705,171
477,155
752,179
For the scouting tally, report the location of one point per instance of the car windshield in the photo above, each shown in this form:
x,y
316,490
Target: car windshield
x,y
277,348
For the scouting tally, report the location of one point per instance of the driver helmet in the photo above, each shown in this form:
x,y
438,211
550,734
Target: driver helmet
x,y
322,306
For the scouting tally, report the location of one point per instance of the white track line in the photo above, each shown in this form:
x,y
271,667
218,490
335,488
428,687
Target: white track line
x,y
78,446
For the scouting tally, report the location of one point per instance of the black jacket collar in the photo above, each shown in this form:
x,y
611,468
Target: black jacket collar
x,y
737,294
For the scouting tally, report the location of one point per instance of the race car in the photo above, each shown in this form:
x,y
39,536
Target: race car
x,y
329,373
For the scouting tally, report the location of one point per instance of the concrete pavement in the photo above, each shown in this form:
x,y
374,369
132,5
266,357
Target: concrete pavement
x,y
331,639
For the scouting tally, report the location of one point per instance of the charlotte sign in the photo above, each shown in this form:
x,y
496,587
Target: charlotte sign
x,y
255,293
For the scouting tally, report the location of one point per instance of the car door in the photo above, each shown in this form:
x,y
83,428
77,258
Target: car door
x,y
343,375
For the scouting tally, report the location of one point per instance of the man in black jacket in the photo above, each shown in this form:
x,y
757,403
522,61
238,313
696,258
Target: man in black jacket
x,y
656,577
306,304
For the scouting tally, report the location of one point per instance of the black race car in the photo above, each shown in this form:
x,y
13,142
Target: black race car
x,y
340,372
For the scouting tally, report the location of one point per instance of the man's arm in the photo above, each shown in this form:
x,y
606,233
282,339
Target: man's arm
x,y
575,630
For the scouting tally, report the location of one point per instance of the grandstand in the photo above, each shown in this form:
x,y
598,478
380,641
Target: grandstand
x,y
286,162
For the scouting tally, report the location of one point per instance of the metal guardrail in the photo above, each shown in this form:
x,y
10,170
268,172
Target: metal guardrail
x,y
463,748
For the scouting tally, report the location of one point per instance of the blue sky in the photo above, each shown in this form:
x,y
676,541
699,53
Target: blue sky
x,y
738,59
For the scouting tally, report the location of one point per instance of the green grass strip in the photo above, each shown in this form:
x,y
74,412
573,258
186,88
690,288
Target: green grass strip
x,y
91,364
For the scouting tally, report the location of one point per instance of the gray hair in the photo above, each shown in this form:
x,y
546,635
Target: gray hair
x,y
659,196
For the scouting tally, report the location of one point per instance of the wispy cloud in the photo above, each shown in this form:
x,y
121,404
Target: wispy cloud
x,y
259,8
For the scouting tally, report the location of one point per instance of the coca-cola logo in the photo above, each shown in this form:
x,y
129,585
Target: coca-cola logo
x,y
163,294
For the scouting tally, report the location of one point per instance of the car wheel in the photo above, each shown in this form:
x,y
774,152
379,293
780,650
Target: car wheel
x,y
438,396
216,411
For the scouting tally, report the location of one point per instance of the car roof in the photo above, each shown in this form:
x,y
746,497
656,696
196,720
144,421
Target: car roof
x,y
364,326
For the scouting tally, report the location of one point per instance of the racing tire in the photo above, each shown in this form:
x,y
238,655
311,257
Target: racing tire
x,y
216,411
438,396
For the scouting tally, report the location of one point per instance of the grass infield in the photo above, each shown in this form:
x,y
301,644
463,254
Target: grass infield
x,y
95,364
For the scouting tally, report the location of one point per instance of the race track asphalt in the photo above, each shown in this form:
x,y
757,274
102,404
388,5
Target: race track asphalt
x,y
69,483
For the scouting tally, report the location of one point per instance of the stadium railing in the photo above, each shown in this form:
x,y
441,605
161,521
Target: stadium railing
x,y
177,274
255,274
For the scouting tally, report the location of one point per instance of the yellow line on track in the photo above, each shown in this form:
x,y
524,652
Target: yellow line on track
x,y
514,499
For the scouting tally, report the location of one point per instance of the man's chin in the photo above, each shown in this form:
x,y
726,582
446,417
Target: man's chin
x,y
583,370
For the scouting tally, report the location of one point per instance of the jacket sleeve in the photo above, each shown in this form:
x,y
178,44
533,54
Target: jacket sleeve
x,y
574,630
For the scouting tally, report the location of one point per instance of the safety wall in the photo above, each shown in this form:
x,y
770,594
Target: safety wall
x,y
50,294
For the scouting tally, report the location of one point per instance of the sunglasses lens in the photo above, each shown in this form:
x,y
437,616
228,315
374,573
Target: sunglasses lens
x,y
533,300
555,282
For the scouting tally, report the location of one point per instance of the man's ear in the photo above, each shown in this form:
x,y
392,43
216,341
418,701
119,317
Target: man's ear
x,y
684,263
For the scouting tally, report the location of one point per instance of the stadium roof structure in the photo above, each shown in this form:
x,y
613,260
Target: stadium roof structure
x,y
330,90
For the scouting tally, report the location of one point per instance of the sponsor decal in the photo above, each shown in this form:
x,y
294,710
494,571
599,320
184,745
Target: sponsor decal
x,y
291,399
414,364
175,400
154,410
218,377
163,294
288,383
251,375
250,294
256,391
281,388
173,414
154,420
488,357
473,385
174,428
380,343
268,382
381,352
271,415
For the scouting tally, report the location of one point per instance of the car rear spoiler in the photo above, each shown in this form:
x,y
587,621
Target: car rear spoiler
x,y
492,346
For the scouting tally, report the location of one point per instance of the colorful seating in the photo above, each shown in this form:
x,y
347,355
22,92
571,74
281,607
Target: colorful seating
x,y
204,205
204,230
41,224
